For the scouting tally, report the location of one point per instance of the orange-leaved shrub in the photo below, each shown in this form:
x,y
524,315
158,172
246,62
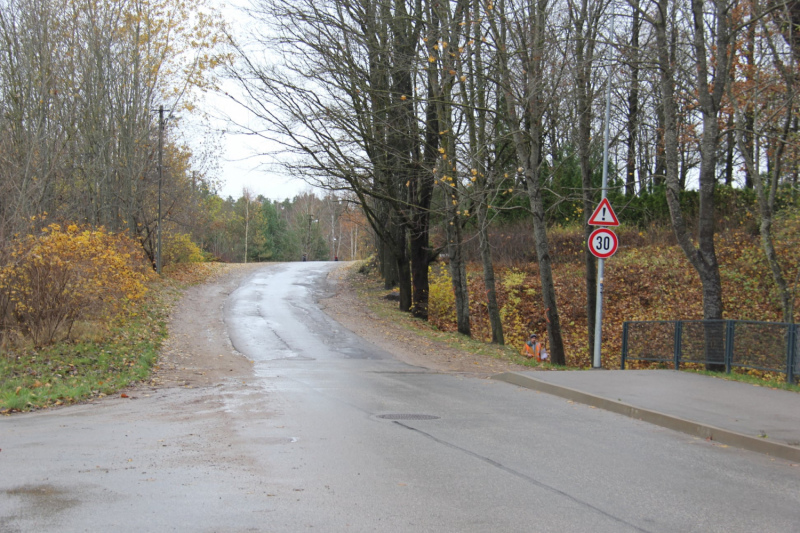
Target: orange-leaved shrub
x,y
50,280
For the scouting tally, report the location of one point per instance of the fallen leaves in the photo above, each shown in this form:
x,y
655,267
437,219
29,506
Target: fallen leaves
x,y
647,280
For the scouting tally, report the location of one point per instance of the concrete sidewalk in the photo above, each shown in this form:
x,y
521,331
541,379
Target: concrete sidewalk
x,y
734,413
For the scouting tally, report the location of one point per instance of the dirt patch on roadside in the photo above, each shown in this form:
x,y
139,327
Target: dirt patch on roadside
x,y
198,351
349,310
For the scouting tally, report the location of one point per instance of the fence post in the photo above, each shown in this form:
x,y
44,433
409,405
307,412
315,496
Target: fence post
x,y
730,334
624,343
677,343
791,352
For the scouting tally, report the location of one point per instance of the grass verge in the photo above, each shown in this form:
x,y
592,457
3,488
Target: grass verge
x,y
772,383
371,293
76,371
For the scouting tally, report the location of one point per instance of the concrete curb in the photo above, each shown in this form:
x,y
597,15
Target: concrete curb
x,y
704,431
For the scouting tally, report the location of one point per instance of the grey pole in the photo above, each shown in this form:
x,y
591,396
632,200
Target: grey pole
x,y
598,320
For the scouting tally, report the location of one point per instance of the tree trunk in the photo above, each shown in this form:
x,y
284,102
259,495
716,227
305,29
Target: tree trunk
x,y
703,257
404,283
658,177
420,196
584,56
400,252
458,272
388,266
483,179
404,147
524,112
420,255
730,144
765,191
492,308
558,357
633,103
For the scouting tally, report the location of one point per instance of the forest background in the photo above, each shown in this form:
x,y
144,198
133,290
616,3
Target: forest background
x,y
459,142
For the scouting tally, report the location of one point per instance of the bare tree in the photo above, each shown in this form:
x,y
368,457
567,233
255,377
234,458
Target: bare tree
x,y
79,83
585,17
529,71
760,117
346,100
487,152
709,28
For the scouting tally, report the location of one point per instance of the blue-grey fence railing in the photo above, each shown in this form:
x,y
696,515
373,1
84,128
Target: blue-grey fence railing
x,y
768,346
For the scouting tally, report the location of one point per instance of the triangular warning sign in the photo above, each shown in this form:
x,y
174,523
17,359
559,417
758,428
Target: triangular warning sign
x,y
604,215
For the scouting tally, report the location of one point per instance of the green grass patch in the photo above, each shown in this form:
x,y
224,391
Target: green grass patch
x,y
105,358
761,381
76,371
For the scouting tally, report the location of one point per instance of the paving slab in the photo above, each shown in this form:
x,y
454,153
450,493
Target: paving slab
x,y
735,413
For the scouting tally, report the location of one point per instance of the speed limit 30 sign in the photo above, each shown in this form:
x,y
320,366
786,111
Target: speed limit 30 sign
x,y
603,243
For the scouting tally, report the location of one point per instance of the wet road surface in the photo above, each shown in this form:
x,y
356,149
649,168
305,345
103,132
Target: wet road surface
x,y
332,434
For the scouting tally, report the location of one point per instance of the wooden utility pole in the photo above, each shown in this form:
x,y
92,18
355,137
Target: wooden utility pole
x,y
160,180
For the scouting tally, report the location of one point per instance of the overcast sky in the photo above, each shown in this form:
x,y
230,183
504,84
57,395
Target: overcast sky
x,y
240,165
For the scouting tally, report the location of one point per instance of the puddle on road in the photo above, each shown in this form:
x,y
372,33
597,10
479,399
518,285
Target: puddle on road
x,y
40,500
249,398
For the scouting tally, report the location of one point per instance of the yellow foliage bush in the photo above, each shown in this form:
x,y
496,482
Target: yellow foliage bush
x,y
513,279
179,248
441,298
512,313
50,280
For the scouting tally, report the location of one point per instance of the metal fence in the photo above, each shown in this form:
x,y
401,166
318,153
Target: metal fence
x,y
725,344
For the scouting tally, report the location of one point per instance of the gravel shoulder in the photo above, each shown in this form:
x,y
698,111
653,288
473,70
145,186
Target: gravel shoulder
x,y
397,336
198,352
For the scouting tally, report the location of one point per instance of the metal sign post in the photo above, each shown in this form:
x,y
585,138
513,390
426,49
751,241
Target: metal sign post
x,y
603,244
598,320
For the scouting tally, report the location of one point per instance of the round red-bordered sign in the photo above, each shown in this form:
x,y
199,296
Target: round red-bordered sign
x,y
603,243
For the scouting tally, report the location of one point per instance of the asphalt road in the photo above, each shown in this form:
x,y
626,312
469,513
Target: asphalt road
x,y
332,434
